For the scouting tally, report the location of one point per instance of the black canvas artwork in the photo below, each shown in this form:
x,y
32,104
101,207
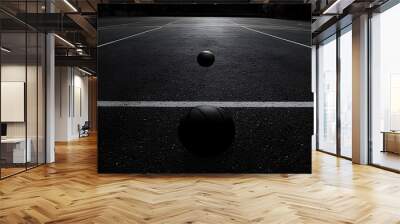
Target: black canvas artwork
x,y
204,88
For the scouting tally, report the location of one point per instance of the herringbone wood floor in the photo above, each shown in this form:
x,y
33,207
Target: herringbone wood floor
x,y
71,191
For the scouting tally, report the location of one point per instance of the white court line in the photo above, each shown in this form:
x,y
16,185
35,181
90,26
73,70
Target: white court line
x,y
130,24
116,25
280,38
134,35
276,27
125,24
199,103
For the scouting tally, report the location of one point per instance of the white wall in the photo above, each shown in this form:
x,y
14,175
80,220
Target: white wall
x,y
33,126
69,112
62,81
79,103
17,73
14,72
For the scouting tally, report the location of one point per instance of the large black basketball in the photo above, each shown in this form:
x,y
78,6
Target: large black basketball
x,y
207,131
205,58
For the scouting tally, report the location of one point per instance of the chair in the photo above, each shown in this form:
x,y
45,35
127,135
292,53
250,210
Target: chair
x,y
84,130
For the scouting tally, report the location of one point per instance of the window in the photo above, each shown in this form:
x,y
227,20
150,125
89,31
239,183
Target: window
x,y
327,95
22,78
385,89
346,92
334,106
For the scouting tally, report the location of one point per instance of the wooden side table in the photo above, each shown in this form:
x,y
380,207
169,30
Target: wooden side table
x,y
391,141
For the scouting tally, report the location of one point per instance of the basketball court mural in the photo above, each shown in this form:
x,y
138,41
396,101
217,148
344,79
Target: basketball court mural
x,y
204,88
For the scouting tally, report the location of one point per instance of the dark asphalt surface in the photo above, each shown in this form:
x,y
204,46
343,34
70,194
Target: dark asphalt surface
x,y
145,140
249,66
161,66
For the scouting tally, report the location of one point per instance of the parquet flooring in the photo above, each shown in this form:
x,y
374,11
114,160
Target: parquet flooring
x,y
71,191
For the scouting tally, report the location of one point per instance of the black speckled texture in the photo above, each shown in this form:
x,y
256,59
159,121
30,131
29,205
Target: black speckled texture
x,y
161,66
145,140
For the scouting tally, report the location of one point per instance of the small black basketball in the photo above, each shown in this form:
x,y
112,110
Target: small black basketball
x,y
205,58
206,131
